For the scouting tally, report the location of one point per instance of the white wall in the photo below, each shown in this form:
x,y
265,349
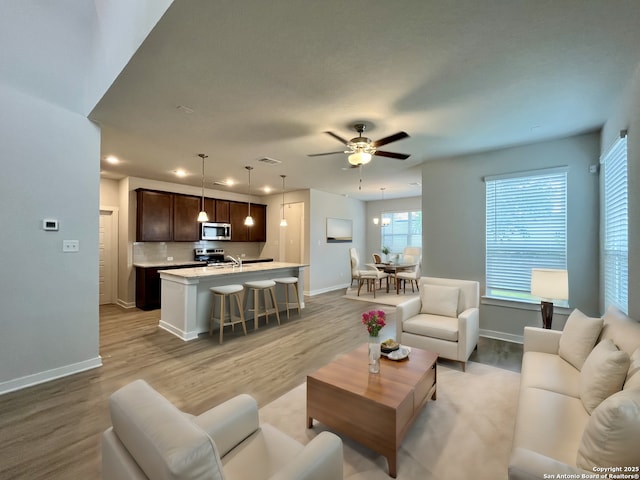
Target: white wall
x,y
330,266
626,116
50,169
453,213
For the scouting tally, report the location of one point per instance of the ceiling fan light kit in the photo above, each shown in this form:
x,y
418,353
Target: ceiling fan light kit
x,y
360,149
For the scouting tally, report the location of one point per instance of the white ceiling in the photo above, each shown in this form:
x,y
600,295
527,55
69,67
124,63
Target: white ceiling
x,y
267,78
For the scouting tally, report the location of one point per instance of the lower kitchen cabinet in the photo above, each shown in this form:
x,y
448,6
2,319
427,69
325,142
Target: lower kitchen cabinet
x,y
148,285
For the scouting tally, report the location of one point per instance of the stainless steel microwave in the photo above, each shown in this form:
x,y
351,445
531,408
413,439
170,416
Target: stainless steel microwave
x,y
216,231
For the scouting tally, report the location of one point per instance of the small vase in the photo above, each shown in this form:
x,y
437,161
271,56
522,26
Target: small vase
x,y
374,355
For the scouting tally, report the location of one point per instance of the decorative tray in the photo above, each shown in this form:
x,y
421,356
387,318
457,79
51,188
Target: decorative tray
x,y
400,354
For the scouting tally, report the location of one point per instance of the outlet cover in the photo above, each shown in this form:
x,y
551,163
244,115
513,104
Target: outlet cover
x,y
71,246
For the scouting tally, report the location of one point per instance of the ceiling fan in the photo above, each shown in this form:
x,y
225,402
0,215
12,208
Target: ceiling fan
x,y
361,149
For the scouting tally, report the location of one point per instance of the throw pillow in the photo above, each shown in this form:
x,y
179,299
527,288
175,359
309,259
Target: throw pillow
x,y
602,374
578,337
439,300
633,375
612,434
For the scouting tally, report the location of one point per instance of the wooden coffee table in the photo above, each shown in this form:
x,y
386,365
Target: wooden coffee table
x,y
375,410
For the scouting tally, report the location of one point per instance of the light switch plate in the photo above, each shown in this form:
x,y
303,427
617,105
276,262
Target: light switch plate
x,y
71,246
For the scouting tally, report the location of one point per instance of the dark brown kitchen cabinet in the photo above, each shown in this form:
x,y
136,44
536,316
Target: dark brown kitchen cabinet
x,y
185,218
154,222
258,233
222,211
148,290
237,214
217,210
239,231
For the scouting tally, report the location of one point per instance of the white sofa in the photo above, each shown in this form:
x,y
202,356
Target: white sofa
x,y
579,404
152,439
444,319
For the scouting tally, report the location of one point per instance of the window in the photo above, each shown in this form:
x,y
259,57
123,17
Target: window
x,y
526,228
616,227
404,229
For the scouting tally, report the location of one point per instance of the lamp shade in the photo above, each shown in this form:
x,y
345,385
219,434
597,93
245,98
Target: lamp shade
x,y
359,158
550,283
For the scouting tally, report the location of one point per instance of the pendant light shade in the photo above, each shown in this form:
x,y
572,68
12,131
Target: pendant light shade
x,y
202,216
248,221
283,222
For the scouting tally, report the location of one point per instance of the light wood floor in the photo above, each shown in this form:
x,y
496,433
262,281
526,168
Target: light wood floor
x,y
52,431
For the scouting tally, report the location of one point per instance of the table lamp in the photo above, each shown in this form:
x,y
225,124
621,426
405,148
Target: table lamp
x,y
549,284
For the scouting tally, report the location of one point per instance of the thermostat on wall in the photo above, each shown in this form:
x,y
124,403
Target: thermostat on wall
x,y
50,224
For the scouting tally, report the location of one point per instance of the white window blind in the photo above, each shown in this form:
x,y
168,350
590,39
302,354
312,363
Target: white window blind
x,y
616,227
526,228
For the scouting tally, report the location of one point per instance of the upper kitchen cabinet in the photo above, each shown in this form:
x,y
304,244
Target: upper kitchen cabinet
x,y
154,221
217,210
185,214
239,231
258,232
222,211
237,214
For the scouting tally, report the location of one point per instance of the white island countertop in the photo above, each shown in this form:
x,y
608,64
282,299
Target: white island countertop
x,y
216,271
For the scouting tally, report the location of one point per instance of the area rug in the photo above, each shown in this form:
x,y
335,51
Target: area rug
x,y
382,297
465,433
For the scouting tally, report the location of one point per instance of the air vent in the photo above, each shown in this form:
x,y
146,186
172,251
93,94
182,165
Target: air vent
x,y
270,161
415,184
218,182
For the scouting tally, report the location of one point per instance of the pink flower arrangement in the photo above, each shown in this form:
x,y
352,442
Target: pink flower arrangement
x,y
374,321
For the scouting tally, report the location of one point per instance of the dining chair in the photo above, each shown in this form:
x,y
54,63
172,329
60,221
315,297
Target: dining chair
x,y
377,258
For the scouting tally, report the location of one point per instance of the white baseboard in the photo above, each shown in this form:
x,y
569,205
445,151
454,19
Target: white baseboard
x,y
48,375
124,304
186,336
326,290
507,337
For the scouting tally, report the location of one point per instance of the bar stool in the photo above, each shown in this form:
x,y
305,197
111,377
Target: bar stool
x,y
286,281
224,291
264,286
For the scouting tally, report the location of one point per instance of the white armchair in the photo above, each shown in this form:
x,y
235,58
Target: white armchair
x,y
152,439
444,319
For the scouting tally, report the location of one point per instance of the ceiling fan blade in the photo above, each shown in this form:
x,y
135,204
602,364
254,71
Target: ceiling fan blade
x,y
321,154
338,137
398,156
391,138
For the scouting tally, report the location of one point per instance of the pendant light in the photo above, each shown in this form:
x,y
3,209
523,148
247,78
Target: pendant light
x,y
202,216
248,221
283,222
385,220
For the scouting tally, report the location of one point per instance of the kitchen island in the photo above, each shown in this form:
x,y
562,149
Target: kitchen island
x,y
185,301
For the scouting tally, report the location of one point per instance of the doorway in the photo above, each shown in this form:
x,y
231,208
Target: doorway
x,y
292,236
108,256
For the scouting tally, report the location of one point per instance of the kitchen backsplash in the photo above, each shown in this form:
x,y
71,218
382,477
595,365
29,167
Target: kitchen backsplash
x,y
149,252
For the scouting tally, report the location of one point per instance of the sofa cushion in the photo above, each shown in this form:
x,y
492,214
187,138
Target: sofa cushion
x,y
579,335
439,300
164,441
549,423
624,331
434,326
602,374
633,375
550,372
612,434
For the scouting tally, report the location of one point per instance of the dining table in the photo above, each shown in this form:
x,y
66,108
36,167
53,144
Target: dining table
x,y
393,269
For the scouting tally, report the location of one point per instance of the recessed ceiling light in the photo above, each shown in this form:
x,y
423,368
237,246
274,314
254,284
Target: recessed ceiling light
x,y
267,189
180,173
415,184
112,160
185,109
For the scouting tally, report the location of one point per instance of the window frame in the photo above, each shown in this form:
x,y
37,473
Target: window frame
x,y
514,288
615,206
390,215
